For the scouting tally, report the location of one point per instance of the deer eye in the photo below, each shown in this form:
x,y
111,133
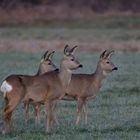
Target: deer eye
x,y
107,62
72,59
49,63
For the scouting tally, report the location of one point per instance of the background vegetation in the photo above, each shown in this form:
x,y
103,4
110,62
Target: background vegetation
x,y
93,5
30,11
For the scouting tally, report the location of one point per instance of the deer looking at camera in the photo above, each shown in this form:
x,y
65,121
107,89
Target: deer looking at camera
x,y
46,88
85,86
12,87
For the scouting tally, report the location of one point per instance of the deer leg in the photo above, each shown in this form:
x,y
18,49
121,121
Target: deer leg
x,y
55,118
7,123
8,110
37,114
6,118
11,104
26,106
85,113
80,104
49,117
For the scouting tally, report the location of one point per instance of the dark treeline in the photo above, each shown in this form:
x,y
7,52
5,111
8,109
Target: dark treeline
x,y
94,5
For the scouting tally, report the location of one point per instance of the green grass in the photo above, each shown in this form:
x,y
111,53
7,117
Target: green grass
x,y
113,114
84,35
94,22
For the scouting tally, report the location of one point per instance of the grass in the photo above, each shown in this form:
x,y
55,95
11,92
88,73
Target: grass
x,y
67,34
99,29
113,114
120,33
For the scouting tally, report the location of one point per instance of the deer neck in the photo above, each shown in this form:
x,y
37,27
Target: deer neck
x,y
65,76
98,78
40,71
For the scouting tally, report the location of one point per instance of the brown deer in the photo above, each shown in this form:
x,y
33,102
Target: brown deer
x,y
46,88
46,65
85,86
15,83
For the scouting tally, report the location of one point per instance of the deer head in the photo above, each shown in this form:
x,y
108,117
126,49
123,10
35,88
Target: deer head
x,y
46,63
69,61
105,64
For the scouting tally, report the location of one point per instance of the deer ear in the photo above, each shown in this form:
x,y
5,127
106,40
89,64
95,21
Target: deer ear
x,y
103,54
67,50
72,51
44,56
50,55
110,53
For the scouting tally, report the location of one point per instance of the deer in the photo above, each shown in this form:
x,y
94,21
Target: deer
x,y
47,88
86,86
46,65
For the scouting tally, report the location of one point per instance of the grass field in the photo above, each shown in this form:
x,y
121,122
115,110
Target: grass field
x,y
120,33
115,112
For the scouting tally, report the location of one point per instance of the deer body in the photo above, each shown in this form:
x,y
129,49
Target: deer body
x,y
38,92
88,86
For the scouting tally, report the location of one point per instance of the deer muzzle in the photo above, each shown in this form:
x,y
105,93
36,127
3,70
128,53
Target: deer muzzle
x,y
80,66
115,69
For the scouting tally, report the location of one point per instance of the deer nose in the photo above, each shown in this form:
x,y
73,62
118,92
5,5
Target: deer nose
x,y
56,69
80,66
115,68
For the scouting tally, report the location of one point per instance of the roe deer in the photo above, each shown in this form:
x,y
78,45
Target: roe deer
x,y
46,65
12,87
85,86
46,88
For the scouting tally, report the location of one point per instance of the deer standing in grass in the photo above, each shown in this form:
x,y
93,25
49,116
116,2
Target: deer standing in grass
x,y
85,86
46,88
46,65
12,87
